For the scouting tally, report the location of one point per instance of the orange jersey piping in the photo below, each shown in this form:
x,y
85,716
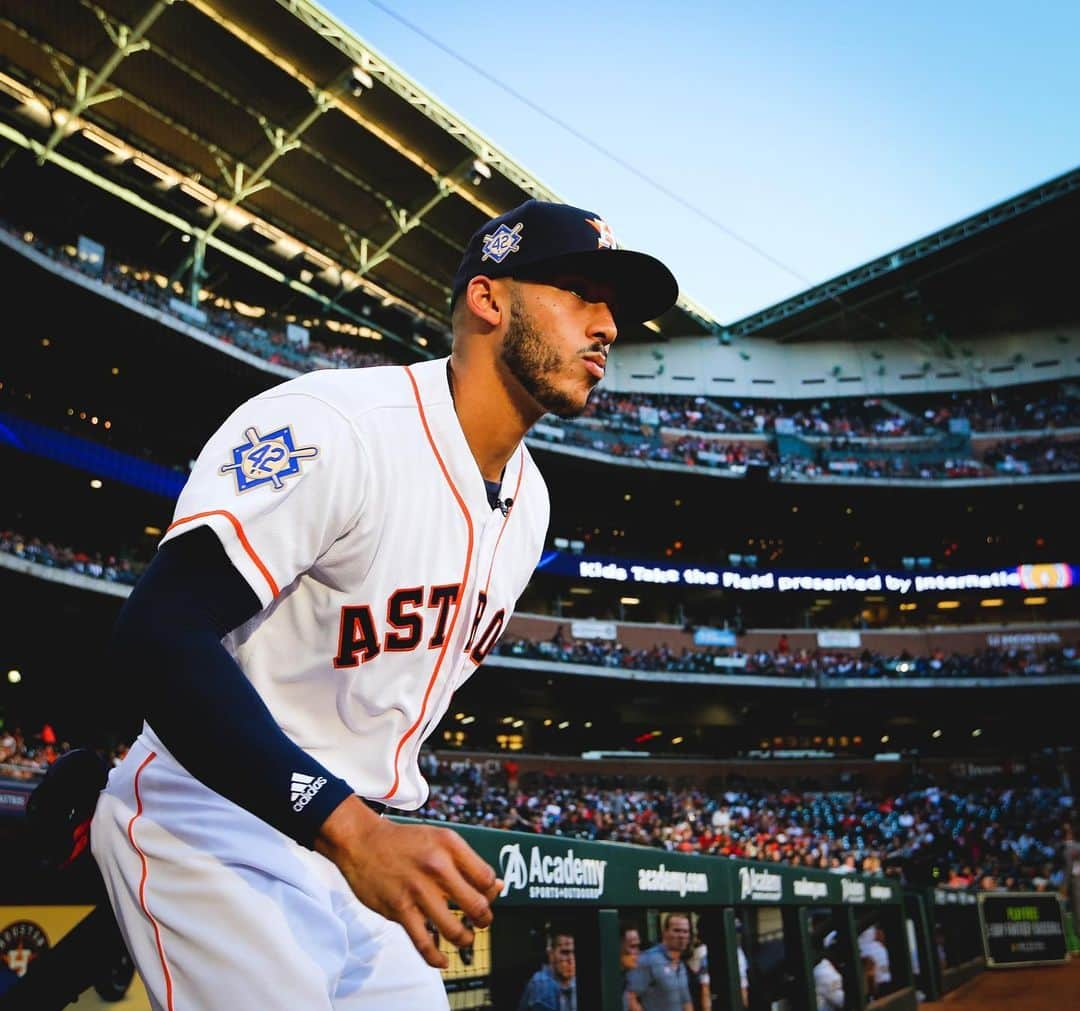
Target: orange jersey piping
x,y
241,536
461,596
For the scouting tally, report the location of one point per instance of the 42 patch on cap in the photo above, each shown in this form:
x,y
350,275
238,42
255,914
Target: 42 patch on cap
x,y
267,459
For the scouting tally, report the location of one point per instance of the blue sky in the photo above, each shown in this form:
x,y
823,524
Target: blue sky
x,y
823,133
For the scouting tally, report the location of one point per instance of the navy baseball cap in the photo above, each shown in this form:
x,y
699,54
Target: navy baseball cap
x,y
539,240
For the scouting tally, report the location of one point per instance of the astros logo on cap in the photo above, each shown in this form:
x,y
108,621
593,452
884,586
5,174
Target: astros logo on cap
x,y
607,236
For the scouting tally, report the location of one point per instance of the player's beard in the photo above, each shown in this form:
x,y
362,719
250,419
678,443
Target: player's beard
x,y
532,361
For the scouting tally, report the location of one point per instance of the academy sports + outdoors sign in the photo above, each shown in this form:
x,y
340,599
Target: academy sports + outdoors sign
x,y
552,870
544,870
680,883
551,876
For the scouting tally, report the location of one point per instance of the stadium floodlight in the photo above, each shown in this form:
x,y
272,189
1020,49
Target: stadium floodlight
x,y
360,81
320,260
577,547
117,148
267,231
287,247
164,175
16,88
202,194
480,170
14,676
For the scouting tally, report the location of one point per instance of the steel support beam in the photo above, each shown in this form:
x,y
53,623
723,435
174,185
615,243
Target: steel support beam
x,y
63,63
86,90
316,18
845,283
241,256
405,221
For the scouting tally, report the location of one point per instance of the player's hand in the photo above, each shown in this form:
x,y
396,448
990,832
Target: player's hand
x,y
408,873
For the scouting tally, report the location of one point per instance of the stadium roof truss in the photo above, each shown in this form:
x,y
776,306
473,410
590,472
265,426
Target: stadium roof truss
x,y
320,163
804,315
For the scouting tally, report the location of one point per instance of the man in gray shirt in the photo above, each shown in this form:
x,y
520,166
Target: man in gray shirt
x,y
658,983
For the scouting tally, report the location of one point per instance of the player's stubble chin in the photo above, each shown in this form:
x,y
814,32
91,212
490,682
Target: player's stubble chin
x,y
531,361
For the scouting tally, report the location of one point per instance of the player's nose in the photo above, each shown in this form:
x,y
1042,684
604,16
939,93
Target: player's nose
x,y
602,326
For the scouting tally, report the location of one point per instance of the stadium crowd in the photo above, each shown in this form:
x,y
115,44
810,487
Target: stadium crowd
x,y
783,662
1029,407
627,425
987,838
267,340
114,568
837,457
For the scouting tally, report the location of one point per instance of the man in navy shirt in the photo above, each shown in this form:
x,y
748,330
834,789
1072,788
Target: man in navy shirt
x,y
554,987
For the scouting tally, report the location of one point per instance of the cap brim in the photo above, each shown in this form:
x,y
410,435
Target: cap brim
x,y
644,287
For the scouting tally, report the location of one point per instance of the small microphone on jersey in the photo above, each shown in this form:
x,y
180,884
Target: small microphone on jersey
x,y
504,505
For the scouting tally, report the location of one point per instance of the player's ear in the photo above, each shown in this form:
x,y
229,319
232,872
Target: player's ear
x,y
487,300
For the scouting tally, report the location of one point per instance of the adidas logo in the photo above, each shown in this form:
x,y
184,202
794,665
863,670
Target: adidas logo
x,y
303,790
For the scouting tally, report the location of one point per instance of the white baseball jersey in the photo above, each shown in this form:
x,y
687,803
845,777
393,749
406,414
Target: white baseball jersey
x,y
352,505
829,986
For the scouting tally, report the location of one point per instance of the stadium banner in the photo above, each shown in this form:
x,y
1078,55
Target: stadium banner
x,y
705,635
27,932
1022,928
951,897
542,870
545,870
839,639
1056,576
14,793
590,628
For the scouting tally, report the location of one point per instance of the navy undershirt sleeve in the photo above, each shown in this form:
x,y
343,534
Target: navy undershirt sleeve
x,y
168,651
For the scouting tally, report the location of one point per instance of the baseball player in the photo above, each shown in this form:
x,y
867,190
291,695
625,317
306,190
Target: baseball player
x,y
347,550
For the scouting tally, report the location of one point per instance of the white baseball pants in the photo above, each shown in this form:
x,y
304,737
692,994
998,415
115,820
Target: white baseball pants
x,y
220,911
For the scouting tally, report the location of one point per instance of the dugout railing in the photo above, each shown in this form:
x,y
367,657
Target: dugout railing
x,y
765,926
